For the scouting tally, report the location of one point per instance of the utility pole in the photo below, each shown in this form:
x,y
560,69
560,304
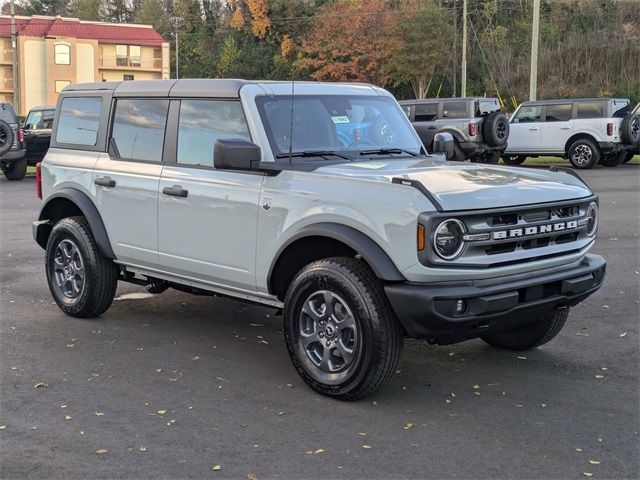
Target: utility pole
x,y
14,58
463,92
176,26
455,47
535,35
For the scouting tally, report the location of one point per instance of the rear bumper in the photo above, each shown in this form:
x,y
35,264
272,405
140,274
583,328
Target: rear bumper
x,y
428,311
471,148
13,155
615,147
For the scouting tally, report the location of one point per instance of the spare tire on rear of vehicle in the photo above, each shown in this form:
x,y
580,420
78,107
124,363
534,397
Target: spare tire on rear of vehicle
x,y
6,137
495,129
630,129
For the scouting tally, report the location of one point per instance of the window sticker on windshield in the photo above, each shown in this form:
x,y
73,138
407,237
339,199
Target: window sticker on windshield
x,y
341,119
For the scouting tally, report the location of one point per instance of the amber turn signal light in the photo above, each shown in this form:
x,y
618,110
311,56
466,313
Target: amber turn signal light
x,y
421,240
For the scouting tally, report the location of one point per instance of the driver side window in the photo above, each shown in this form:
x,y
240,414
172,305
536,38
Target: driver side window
x,y
528,114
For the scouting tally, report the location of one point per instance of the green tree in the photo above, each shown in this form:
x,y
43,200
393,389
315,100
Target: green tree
x,y
85,9
228,60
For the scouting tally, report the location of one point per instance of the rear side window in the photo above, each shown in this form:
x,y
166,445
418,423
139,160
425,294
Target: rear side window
x,y
138,129
39,119
202,122
426,112
454,110
79,120
558,113
590,110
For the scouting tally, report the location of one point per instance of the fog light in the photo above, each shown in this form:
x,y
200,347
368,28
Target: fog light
x,y
461,306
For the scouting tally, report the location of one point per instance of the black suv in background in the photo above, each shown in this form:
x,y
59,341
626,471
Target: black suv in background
x,y
37,132
12,152
480,130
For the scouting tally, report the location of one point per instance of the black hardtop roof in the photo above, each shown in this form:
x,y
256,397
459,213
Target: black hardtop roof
x,y
557,101
444,99
185,87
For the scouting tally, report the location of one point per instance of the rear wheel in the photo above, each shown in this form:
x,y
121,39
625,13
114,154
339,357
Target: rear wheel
x,y
584,154
82,281
628,157
513,160
342,336
531,335
613,159
15,170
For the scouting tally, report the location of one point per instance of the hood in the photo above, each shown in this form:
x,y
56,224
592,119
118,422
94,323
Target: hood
x,y
470,186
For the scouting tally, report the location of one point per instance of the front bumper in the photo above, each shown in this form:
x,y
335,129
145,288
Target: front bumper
x,y
428,311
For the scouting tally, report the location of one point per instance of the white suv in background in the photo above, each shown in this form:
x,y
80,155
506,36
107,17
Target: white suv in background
x,y
586,131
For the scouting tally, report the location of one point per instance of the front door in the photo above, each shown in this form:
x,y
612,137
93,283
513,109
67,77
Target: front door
x,y
557,127
125,180
207,217
524,130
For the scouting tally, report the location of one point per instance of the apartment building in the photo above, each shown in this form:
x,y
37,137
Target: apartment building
x,y
54,52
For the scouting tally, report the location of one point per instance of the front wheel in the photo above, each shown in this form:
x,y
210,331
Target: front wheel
x,y
16,170
613,159
82,281
531,335
628,157
342,336
513,160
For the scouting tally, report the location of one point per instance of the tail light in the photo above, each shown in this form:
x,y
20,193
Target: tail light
x,y
472,129
20,135
609,128
39,180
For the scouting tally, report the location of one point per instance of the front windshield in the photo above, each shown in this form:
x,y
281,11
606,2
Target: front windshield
x,y
348,124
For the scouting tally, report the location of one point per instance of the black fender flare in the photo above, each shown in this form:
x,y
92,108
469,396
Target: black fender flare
x,y
363,245
90,212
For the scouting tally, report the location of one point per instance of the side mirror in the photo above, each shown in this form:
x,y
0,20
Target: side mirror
x,y
443,143
235,154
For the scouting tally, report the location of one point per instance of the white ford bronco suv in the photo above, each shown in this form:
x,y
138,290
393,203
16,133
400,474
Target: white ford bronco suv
x,y
317,199
587,131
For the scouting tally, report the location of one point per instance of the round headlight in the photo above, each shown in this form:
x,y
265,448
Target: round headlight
x,y
448,239
592,218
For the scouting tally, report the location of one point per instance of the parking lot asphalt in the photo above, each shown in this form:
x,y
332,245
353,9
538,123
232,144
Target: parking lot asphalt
x,y
173,385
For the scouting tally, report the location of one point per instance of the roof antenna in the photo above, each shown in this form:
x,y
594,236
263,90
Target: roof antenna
x,y
291,124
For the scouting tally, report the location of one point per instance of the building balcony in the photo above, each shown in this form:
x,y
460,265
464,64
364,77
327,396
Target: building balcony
x,y
126,63
6,56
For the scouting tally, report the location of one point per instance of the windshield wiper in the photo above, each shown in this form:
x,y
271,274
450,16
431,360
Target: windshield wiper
x,y
315,153
388,151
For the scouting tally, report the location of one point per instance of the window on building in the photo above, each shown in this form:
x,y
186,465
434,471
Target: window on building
x,y
128,55
135,55
60,84
127,76
79,120
62,54
454,109
202,122
122,56
558,113
138,129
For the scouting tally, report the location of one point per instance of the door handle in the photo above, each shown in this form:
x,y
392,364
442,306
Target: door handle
x,y
431,128
534,128
105,182
565,128
176,191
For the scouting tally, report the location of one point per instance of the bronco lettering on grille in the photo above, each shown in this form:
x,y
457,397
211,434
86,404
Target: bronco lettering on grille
x,y
537,230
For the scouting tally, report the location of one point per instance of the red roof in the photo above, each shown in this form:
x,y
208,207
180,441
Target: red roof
x,y
71,27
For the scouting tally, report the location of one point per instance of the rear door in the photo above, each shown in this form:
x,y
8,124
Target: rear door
x,y
424,121
524,130
125,180
207,218
557,127
37,133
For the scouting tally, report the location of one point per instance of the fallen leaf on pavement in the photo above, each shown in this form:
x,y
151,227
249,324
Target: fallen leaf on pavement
x,y
99,414
318,451
594,462
408,426
40,385
588,474
366,446
623,334
143,449
67,417
101,451
216,468
161,412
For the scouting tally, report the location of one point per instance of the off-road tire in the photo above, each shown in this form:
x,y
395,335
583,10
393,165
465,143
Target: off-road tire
x,y
6,137
379,334
628,157
587,146
513,160
15,170
531,335
613,159
100,277
495,129
630,129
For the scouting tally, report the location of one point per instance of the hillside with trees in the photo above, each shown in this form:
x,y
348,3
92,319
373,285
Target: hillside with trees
x,y
412,47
